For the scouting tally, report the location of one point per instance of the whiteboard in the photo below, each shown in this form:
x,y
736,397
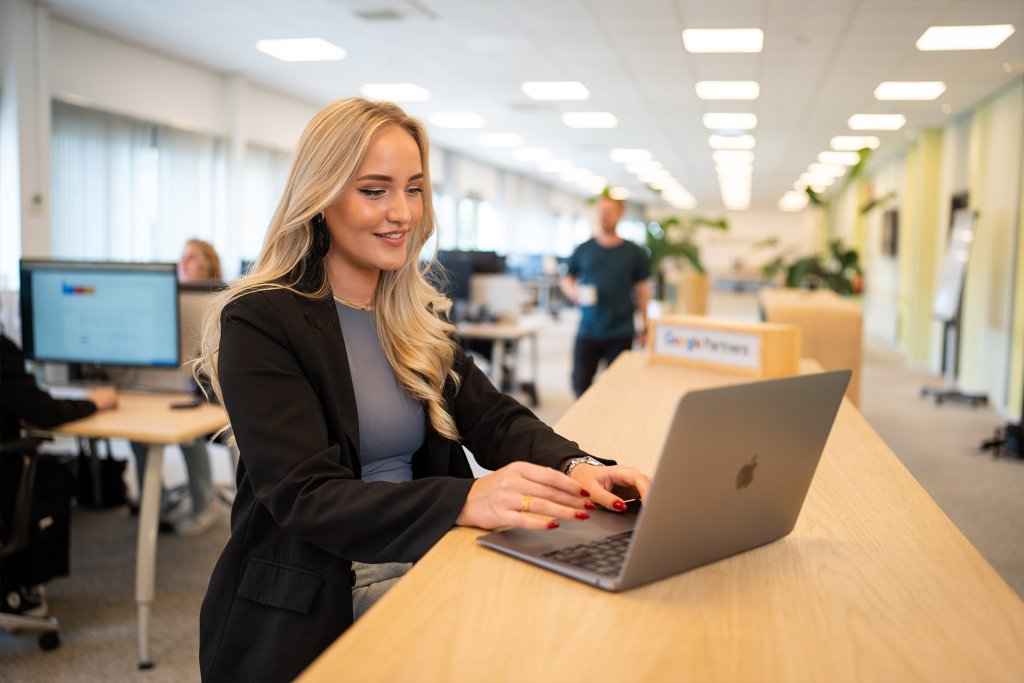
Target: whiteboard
x,y
954,266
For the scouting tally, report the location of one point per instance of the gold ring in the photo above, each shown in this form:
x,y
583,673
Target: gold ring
x,y
524,503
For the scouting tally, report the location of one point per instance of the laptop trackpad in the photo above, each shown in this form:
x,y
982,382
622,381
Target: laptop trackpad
x,y
602,523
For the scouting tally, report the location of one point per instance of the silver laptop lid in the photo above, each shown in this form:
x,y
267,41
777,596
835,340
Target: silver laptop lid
x,y
733,473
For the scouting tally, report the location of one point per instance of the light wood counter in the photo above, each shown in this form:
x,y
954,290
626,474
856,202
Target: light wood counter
x,y
874,584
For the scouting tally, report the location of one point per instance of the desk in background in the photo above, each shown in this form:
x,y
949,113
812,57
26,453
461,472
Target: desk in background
x,y
831,327
874,584
149,418
509,332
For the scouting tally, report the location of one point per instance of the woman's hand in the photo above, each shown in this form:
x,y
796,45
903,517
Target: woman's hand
x,y
503,498
601,480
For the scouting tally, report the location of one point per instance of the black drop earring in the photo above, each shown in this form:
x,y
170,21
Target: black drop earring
x,y
321,238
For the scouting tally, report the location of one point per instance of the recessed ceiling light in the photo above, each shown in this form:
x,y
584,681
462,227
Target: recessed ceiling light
x,y
853,143
500,139
793,201
727,90
730,121
457,119
589,119
556,90
300,49
395,92
909,90
723,40
844,158
734,169
725,155
834,170
532,153
876,121
731,141
625,156
964,37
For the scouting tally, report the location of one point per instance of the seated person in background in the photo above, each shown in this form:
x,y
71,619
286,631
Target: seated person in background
x,y
23,402
199,263
350,401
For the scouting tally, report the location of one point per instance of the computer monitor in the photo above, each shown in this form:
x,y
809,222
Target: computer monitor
x,y
100,313
461,265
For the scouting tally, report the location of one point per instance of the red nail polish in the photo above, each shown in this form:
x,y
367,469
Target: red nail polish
x,y
619,505
552,524
589,505
582,515
585,493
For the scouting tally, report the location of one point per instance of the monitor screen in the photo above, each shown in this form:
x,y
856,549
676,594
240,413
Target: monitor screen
x,y
100,313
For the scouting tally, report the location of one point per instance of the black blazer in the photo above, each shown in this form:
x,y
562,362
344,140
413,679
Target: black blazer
x,y
281,591
21,399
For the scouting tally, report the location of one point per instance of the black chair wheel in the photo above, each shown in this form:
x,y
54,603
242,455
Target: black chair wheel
x,y
49,640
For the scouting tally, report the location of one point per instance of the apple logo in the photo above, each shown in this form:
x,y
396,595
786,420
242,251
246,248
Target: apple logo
x,y
746,474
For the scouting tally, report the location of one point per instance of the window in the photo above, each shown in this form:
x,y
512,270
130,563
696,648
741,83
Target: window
x,y
125,189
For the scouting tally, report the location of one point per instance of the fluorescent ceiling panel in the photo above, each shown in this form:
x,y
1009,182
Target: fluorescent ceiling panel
x,y
301,49
589,119
844,158
457,119
964,37
876,121
723,40
395,92
730,121
556,90
727,90
909,90
727,155
853,143
731,141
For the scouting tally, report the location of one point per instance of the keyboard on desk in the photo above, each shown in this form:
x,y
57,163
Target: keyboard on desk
x,y
603,556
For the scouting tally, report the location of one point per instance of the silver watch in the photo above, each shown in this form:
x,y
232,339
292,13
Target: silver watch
x,y
582,460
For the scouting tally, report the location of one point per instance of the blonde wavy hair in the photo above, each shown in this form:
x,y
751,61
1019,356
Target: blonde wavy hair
x,y
406,307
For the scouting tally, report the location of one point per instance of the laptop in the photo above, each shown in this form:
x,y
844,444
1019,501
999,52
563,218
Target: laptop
x,y
733,473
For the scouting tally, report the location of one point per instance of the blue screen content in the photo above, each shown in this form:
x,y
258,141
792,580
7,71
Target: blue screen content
x,y
105,317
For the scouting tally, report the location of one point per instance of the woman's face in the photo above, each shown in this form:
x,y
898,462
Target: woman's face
x,y
371,220
193,265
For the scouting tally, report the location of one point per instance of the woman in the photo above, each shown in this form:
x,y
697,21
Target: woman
x,y
350,402
199,263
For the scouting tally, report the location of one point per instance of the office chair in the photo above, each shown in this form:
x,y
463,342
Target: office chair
x,y
16,534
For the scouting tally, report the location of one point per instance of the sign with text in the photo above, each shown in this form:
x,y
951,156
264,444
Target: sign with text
x,y
756,349
708,345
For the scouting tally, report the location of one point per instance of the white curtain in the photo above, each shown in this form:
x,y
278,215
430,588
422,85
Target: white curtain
x,y
125,189
266,171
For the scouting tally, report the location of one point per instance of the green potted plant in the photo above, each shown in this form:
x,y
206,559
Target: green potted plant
x,y
838,269
671,245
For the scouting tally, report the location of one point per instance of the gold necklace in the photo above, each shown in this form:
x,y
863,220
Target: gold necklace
x,y
350,304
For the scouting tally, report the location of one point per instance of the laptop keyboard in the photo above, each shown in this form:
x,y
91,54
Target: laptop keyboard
x,y
603,556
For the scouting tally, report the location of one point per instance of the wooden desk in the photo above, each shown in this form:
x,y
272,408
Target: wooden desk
x,y
148,418
512,331
874,584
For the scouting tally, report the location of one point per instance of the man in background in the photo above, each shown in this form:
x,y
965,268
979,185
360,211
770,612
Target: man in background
x,y
607,279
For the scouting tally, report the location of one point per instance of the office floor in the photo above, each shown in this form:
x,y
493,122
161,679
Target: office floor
x,y
982,495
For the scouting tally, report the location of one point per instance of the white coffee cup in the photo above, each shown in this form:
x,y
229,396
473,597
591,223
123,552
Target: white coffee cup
x,y
586,295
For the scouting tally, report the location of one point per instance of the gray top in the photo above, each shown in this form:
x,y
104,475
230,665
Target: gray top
x,y
392,425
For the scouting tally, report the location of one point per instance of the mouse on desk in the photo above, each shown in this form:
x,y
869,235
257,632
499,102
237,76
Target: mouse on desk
x,y
184,405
